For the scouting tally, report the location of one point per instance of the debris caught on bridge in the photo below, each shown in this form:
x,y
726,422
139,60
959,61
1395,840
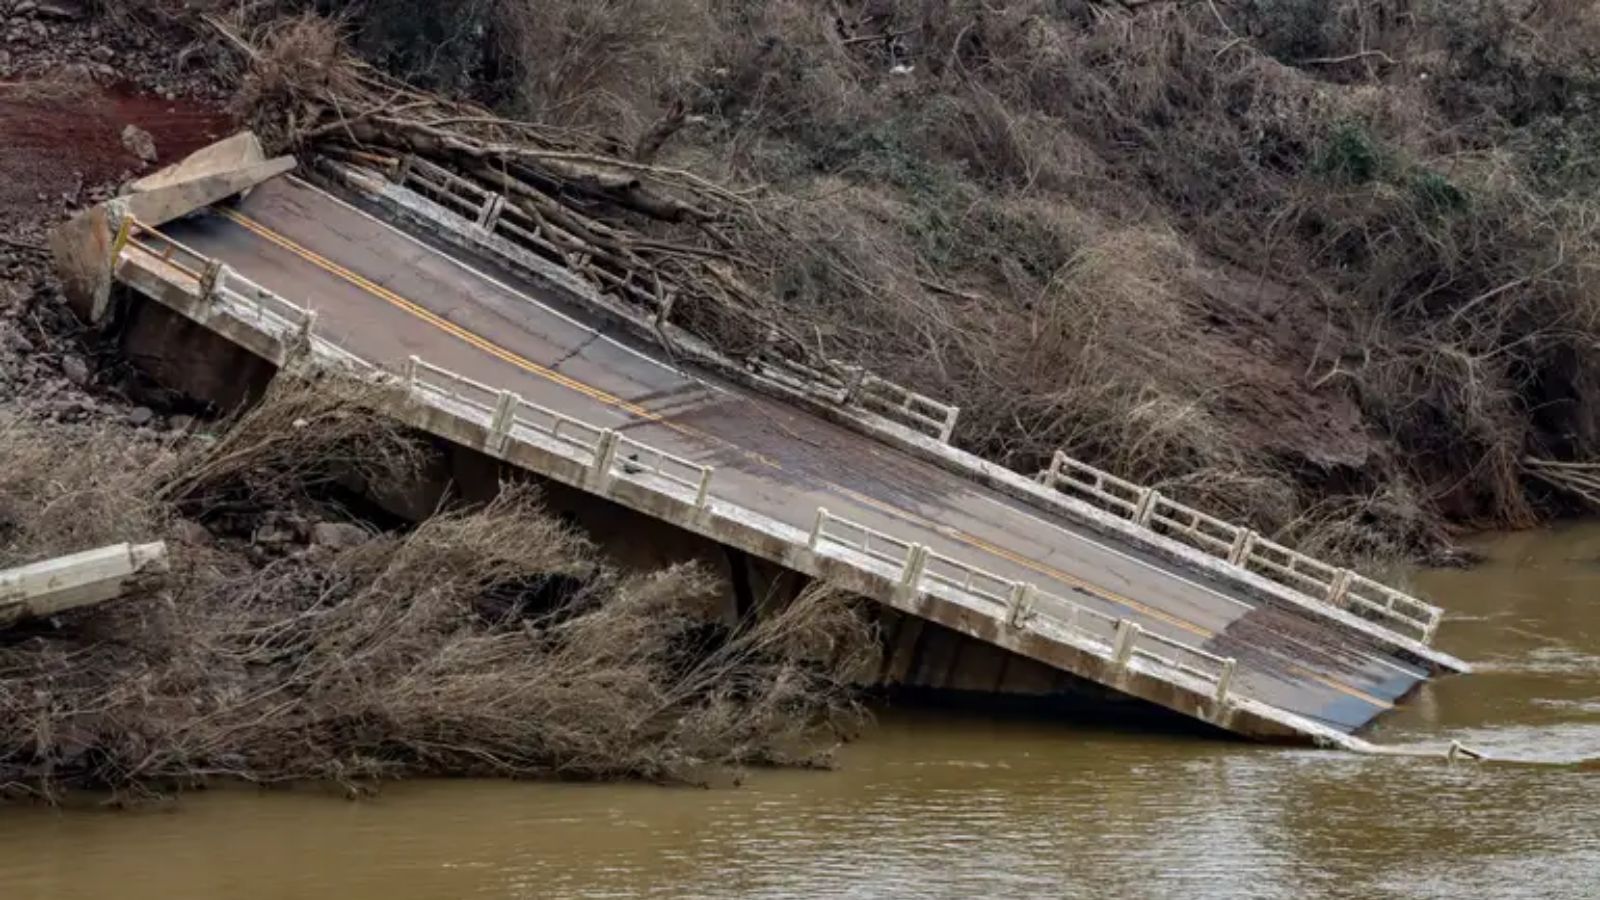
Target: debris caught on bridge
x,y
654,235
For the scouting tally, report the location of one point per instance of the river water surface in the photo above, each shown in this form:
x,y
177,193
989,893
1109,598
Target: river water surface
x,y
933,806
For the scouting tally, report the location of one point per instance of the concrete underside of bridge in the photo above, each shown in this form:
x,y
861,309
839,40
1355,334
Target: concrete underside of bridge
x,y
381,295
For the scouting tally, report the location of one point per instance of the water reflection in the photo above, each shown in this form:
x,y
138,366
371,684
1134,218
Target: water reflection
x,y
934,807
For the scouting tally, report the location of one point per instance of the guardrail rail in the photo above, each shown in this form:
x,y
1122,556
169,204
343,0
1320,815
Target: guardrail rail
x,y
493,213
1244,548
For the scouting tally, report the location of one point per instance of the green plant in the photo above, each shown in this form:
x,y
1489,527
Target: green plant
x,y
1352,155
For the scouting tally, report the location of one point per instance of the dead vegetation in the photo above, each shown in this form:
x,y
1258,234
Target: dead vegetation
x,y
1278,257
489,640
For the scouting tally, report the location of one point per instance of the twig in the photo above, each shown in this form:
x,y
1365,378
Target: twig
x,y
1334,60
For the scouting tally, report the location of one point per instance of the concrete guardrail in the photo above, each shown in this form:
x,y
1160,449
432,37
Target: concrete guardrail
x,y
1244,548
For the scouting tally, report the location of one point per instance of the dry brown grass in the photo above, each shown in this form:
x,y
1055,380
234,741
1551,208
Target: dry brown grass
x,y
486,641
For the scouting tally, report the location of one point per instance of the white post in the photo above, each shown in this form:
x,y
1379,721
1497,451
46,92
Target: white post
x,y
1128,632
949,425
816,529
489,212
1056,465
505,407
916,564
703,494
1021,608
1225,680
211,278
1243,543
411,375
1146,507
605,453
852,386
1337,590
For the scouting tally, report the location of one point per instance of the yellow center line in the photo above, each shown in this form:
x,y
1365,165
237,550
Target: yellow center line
x,y
608,399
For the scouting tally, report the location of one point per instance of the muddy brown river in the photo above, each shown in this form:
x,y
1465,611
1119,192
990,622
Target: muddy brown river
x,y
937,806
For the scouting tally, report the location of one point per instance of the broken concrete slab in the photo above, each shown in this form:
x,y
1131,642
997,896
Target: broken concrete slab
x,y
84,247
215,172
80,579
240,151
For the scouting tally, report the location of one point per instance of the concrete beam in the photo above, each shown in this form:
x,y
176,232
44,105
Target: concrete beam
x,y
172,201
240,151
81,579
212,173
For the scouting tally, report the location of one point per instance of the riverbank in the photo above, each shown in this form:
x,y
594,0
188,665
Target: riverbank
x,y
937,805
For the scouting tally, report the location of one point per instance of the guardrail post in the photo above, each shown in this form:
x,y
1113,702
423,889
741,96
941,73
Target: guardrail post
x,y
307,326
815,540
403,170
124,232
1146,507
1225,680
703,494
1337,590
1243,543
505,407
211,278
1021,606
1053,474
489,212
1128,632
949,427
1433,625
411,375
852,386
916,564
605,453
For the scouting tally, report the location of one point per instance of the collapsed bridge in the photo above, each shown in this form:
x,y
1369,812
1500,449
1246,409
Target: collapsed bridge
x,y
406,274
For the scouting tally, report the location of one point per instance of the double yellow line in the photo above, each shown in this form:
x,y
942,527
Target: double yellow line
x,y
608,399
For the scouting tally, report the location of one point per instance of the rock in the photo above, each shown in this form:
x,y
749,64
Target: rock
x,y
338,535
180,423
5,60
76,370
141,416
101,53
188,531
23,8
273,534
139,143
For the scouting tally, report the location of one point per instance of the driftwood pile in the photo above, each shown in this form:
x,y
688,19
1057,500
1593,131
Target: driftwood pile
x,y
1581,480
654,235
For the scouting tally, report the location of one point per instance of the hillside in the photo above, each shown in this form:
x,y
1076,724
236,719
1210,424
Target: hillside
x,y
1326,266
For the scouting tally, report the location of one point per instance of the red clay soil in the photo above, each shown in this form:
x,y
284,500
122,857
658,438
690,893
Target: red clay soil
x,y
58,139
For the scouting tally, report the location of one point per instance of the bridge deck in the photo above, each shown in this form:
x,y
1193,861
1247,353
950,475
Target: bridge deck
x,y
385,296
